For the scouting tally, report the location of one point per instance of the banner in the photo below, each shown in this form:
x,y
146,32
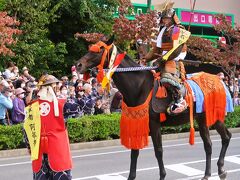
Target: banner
x,y
32,126
179,37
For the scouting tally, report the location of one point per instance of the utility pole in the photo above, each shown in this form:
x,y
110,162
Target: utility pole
x,y
149,3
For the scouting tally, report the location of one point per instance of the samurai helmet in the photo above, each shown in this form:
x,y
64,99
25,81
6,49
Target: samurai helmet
x,y
169,13
165,10
47,80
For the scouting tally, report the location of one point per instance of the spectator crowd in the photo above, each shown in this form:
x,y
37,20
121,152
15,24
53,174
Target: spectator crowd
x,y
233,86
19,88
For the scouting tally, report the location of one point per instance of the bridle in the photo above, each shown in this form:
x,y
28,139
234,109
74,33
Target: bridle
x,y
96,48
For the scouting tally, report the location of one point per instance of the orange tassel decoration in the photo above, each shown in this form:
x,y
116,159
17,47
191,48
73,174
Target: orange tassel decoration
x,y
191,137
161,92
189,99
134,125
163,117
100,75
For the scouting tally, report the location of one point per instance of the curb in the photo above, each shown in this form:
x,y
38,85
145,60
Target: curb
x,y
99,144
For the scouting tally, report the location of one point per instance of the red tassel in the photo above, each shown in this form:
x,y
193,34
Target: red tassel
x,y
86,76
191,137
162,117
100,75
161,92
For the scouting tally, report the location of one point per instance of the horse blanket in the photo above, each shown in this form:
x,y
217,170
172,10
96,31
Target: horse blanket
x,y
209,93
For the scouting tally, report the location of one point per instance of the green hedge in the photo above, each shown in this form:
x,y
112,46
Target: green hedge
x,y
93,128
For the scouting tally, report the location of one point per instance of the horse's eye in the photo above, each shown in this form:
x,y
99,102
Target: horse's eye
x,y
95,48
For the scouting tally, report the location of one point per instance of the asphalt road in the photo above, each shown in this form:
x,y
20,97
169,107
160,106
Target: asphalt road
x,y
182,162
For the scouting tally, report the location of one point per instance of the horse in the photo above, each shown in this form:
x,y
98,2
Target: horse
x,y
135,88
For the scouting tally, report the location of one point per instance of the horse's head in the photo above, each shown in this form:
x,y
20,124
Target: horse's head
x,y
96,56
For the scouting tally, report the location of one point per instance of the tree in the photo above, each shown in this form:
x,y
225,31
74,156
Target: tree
x,y
126,31
131,30
34,49
225,55
7,32
85,16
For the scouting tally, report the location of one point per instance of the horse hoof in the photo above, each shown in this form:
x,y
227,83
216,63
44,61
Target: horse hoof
x,y
131,178
223,176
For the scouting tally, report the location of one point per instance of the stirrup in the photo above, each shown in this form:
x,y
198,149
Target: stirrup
x,y
177,108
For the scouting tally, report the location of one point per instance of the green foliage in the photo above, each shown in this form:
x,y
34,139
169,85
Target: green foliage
x,y
11,137
93,128
233,119
47,43
90,128
85,16
2,4
34,49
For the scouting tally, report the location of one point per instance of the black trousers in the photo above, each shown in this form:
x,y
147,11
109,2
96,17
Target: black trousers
x,y
46,173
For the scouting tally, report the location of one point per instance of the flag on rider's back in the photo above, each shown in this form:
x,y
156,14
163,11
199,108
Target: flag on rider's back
x,y
179,36
176,32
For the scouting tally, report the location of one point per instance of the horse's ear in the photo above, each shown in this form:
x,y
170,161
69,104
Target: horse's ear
x,y
110,41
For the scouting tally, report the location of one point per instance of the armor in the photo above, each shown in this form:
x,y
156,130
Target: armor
x,y
170,76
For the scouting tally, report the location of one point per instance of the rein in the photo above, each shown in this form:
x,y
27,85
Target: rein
x,y
106,55
114,60
132,69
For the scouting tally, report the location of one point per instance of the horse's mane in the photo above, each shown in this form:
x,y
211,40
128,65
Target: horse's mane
x,y
128,60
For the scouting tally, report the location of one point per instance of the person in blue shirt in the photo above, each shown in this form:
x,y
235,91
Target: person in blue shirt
x,y
5,104
87,102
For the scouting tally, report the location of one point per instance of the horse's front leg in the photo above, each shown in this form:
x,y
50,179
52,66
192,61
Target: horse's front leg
x,y
155,131
133,165
204,133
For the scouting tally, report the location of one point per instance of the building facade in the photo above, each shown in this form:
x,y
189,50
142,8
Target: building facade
x,y
219,6
203,18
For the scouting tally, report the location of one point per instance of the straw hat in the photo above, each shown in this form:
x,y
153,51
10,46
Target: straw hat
x,y
47,80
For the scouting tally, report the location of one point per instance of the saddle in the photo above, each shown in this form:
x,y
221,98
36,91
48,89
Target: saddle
x,y
161,98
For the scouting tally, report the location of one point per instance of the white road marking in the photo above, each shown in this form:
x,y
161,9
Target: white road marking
x,y
214,175
116,152
111,177
150,148
233,159
14,164
183,169
180,168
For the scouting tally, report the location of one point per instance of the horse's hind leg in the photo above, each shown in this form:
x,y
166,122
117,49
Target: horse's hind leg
x,y
155,132
225,136
204,133
133,165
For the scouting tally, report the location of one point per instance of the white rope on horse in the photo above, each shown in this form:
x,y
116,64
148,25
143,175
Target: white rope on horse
x,y
131,69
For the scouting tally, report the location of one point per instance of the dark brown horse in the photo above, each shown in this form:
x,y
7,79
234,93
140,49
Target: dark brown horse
x,y
135,87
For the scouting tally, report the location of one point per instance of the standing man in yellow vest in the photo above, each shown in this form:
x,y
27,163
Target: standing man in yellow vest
x,y
48,137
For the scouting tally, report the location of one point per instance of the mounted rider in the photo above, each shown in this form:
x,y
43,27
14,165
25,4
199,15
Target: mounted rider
x,y
170,55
